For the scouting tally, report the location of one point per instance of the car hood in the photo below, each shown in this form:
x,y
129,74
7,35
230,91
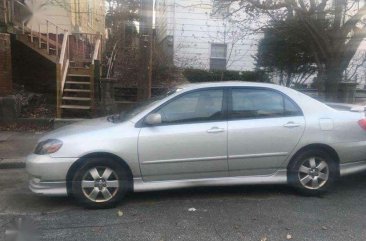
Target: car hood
x,y
79,128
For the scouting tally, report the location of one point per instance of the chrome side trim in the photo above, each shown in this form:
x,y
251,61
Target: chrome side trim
x,y
258,155
352,168
185,160
280,177
48,188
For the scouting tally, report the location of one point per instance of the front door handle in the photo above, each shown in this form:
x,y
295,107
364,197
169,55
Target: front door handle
x,y
215,130
291,124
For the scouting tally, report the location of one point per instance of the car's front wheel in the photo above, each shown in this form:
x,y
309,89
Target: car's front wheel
x,y
100,183
313,172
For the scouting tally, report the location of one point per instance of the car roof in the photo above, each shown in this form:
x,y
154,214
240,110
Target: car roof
x,y
227,84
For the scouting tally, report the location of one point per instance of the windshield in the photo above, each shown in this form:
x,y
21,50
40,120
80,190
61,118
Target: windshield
x,y
141,106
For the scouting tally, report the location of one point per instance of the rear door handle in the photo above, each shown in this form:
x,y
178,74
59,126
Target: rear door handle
x,y
291,124
215,130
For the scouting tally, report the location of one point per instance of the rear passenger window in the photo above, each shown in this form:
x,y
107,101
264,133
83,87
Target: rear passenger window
x,y
291,109
261,103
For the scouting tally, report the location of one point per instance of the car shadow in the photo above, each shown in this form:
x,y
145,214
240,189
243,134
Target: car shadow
x,y
353,183
25,201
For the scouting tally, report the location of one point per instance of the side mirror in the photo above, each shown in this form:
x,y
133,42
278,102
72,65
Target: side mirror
x,y
153,119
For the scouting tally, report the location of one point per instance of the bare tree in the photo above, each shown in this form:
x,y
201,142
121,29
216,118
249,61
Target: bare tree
x,y
336,29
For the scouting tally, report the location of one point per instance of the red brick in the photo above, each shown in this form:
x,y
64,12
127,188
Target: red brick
x,y
5,65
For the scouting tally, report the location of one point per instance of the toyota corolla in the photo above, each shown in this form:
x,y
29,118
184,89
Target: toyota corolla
x,y
211,134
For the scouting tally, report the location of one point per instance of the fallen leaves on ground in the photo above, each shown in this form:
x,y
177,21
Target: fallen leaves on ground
x,y
29,127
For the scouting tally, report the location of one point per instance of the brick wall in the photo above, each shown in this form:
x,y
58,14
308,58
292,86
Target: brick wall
x,y
5,65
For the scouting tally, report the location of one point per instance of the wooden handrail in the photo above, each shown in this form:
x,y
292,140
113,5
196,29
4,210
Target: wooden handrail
x,y
96,50
64,75
63,48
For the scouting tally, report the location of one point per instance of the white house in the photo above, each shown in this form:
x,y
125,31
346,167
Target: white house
x,y
199,34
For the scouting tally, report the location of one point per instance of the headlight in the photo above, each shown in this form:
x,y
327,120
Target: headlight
x,y
48,147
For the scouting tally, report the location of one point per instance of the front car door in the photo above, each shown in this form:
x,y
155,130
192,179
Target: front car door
x,y
264,127
191,142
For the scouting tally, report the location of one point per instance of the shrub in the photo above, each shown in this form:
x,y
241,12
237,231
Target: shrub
x,y
198,75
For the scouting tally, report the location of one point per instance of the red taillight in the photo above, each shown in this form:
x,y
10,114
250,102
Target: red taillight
x,y
362,123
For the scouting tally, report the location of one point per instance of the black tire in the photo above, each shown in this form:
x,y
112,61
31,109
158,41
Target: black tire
x,y
298,177
119,175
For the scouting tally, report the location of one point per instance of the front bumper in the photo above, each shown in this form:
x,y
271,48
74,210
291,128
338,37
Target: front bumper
x,y
48,188
48,174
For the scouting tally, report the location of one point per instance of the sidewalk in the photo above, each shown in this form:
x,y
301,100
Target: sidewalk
x,y
15,146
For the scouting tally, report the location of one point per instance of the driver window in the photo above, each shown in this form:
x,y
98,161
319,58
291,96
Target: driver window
x,y
199,106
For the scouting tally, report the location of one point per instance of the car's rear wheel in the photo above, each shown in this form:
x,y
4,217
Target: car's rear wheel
x,y
313,172
100,183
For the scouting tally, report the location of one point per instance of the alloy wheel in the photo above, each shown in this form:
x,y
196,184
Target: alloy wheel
x,y
100,184
313,173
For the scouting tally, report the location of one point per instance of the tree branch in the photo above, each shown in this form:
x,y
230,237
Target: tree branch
x,y
322,5
265,6
352,46
351,23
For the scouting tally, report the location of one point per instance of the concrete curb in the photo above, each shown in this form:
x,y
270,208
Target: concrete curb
x,y
12,163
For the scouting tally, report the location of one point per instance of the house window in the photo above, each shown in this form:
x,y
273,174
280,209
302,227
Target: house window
x,y
220,8
90,12
218,57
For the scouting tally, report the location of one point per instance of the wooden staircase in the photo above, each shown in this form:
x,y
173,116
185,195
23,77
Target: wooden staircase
x,y
76,57
40,49
78,90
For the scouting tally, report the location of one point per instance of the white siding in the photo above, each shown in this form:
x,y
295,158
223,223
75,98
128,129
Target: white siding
x,y
57,12
164,18
194,30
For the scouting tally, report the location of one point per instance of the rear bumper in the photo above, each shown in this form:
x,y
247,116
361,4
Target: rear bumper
x,y
352,168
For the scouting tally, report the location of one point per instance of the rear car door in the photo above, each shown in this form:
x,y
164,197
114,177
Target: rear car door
x,y
191,142
264,127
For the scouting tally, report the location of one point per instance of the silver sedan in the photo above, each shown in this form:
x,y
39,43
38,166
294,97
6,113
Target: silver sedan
x,y
211,134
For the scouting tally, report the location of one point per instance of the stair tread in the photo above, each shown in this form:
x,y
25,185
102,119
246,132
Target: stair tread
x,y
78,82
81,60
76,90
76,98
84,107
79,75
77,67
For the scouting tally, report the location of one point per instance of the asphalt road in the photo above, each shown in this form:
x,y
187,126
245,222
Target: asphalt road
x,y
236,213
